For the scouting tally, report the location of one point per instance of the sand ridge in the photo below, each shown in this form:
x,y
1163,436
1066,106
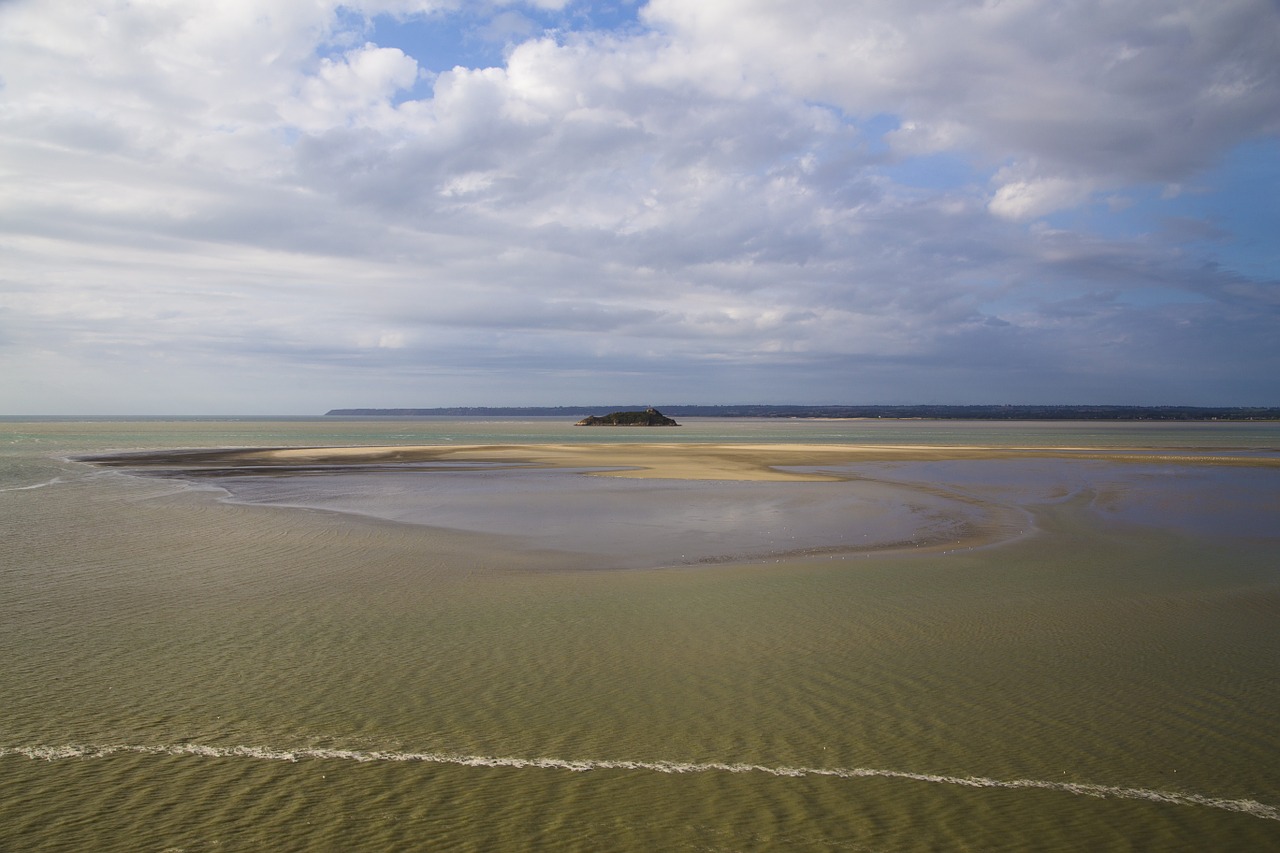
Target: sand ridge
x,y
687,461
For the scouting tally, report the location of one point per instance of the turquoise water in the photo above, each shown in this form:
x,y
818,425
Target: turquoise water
x,y
180,672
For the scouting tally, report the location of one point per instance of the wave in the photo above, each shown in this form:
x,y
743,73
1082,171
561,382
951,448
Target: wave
x,y
1087,789
51,482
76,472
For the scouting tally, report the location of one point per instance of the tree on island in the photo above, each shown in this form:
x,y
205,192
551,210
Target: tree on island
x,y
649,417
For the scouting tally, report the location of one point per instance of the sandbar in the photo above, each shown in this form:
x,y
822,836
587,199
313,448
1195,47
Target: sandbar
x,y
678,461
666,503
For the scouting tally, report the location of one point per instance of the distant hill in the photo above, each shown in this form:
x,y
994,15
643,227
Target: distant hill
x,y
980,412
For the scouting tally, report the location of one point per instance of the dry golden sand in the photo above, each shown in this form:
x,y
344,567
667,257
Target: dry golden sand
x,y
704,461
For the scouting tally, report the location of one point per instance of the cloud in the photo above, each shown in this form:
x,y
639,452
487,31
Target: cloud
x,y
1130,92
722,187
356,87
1027,199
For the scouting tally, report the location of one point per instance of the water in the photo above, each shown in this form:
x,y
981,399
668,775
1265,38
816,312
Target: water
x,y
181,672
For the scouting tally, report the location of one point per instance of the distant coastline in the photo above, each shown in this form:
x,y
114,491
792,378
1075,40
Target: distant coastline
x,y
977,412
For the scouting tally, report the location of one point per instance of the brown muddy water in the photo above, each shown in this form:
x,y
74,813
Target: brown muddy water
x,y
512,660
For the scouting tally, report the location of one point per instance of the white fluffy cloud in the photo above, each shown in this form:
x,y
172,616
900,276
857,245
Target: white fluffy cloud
x,y
355,88
1134,91
727,186
1022,199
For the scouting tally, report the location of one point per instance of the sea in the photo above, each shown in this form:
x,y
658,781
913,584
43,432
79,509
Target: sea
x,y
508,658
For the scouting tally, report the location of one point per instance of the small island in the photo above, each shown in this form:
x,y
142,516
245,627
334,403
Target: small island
x,y
649,417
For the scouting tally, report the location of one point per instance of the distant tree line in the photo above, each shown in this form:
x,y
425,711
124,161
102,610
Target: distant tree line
x,y
975,413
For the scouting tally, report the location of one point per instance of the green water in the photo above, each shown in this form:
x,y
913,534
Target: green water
x,y
182,673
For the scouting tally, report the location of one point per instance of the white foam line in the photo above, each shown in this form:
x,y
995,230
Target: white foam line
x,y
1087,789
52,482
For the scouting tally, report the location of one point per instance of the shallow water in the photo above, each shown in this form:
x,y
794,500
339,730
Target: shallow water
x,y
633,523
180,672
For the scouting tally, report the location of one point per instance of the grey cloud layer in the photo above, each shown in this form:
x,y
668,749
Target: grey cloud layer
x,y
694,209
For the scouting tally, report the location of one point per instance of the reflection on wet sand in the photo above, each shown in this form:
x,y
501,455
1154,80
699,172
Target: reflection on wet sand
x,y
626,506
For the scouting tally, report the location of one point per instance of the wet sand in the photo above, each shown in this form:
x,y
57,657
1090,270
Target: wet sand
x,y
645,505
641,523
652,504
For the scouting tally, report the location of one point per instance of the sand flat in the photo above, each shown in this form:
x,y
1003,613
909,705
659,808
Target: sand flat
x,y
755,462
739,490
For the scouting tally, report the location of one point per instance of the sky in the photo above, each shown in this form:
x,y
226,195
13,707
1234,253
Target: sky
x,y
286,206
